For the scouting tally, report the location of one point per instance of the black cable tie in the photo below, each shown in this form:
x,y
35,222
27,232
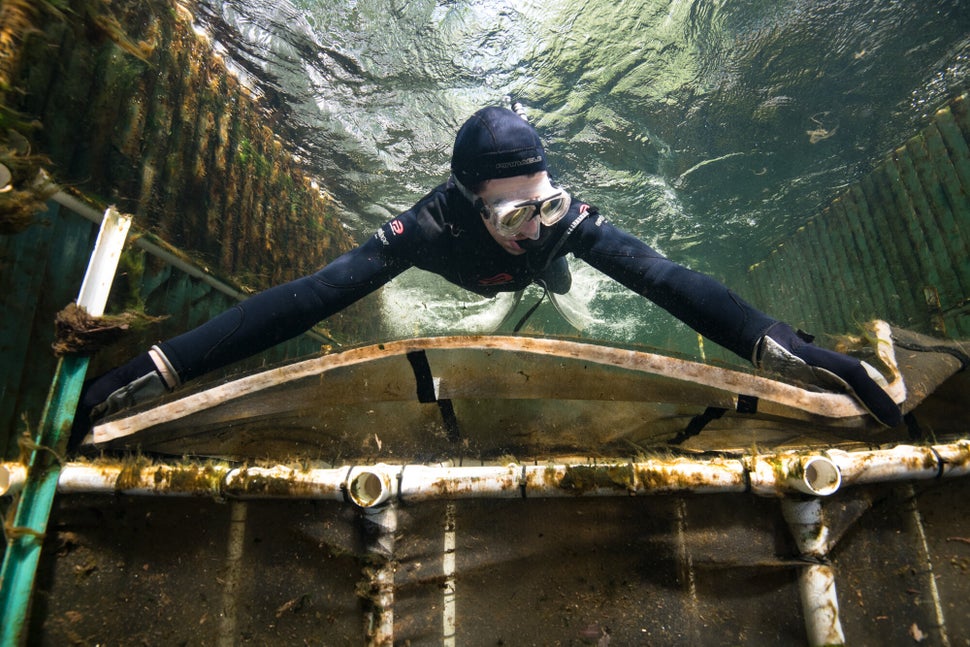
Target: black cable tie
x,y
940,461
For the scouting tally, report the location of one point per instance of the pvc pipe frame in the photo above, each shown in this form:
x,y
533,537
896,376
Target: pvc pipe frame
x,y
816,474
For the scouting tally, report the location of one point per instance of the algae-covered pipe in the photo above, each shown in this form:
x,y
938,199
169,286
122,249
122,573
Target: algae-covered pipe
x,y
816,581
378,526
816,474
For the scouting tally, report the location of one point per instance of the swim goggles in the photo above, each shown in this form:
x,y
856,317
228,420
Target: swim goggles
x,y
510,216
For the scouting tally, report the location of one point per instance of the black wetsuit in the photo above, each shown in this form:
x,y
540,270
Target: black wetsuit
x,y
444,234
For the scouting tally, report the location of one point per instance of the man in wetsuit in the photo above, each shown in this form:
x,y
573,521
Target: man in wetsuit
x,y
498,224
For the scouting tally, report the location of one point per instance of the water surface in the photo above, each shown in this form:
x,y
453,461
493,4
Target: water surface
x,y
709,129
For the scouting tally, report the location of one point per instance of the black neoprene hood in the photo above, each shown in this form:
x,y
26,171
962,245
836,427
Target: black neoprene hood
x,y
496,143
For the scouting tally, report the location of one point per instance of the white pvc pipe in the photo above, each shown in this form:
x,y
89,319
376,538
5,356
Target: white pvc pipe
x,y
903,461
816,582
804,517
96,285
449,603
369,486
820,605
815,475
12,477
421,483
285,482
379,530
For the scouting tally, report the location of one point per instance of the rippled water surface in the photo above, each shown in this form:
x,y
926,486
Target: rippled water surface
x,y
708,128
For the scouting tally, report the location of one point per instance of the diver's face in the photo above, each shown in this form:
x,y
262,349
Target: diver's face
x,y
517,206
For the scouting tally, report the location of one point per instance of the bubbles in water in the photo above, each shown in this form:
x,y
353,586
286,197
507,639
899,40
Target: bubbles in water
x,y
417,304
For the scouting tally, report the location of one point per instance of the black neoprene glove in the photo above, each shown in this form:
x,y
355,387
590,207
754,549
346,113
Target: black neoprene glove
x,y
119,388
790,353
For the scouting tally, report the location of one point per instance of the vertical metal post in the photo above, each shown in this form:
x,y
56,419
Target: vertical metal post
x,y
33,509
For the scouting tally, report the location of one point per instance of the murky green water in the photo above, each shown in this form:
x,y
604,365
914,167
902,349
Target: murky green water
x,y
709,129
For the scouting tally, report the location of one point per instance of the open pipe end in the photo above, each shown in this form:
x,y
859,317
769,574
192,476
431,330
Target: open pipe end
x,y
369,488
819,477
12,477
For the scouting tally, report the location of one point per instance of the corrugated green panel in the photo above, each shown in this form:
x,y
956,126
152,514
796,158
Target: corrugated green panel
x,y
906,225
810,298
806,279
874,269
783,291
830,261
892,241
954,126
58,35
860,301
803,303
894,248
790,304
48,281
771,293
98,103
956,200
957,139
956,144
924,226
829,281
67,92
943,223
885,269
960,109
753,289
23,258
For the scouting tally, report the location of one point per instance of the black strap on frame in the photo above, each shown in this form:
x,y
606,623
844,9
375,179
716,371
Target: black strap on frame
x,y
424,380
746,404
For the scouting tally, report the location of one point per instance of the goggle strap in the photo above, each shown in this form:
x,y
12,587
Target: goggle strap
x,y
476,201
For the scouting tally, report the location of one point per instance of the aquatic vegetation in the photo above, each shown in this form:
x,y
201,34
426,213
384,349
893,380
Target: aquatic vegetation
x,y
24,188
80,333
816,135
18,20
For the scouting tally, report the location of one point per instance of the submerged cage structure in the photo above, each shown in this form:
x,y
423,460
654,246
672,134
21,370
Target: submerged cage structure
x,y
857,545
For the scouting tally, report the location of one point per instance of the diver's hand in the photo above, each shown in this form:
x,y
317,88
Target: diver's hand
x,y
788,353
121,387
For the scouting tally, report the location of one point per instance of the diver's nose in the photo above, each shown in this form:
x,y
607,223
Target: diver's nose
x,y
531,229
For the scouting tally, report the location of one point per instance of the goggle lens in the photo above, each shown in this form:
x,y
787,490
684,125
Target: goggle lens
x,y
511,219
553,209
